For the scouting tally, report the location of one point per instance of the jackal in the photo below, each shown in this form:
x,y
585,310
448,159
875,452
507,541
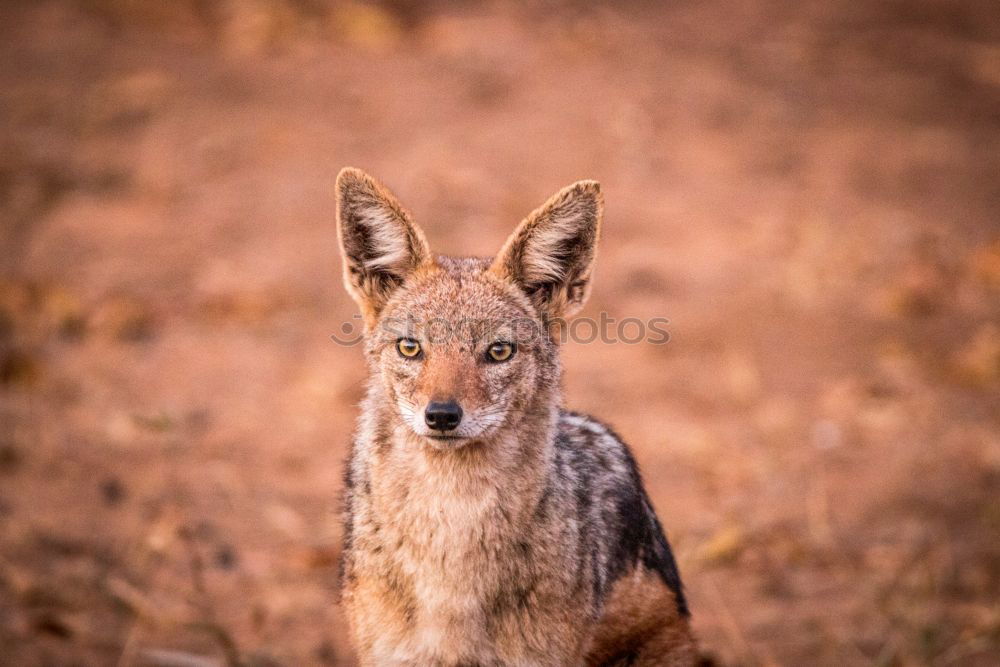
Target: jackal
x,y
483,523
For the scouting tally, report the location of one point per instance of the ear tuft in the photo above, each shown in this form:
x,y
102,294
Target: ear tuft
x,y
380,244
551,253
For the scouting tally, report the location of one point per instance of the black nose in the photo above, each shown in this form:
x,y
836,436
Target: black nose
x,y
443,416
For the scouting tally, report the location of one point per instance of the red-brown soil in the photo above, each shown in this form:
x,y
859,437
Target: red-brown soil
x,y
809,191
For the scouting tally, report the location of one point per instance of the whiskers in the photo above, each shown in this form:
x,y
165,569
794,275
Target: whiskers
x,y
487,419
479,423
408,411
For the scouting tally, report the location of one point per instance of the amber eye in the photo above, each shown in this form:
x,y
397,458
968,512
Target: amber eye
x,y
408,348
500,351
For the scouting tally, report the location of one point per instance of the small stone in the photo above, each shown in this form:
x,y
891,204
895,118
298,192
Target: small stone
x,y
226,557
325,653
18,368
50,624
113,491
11,457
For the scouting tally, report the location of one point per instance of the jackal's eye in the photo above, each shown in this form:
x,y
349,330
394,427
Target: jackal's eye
x,y
500,351
408,348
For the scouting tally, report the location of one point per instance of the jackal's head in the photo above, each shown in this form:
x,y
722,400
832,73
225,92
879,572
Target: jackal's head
x,y
462,347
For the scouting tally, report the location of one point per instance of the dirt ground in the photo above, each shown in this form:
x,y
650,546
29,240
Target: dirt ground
x,y
809,191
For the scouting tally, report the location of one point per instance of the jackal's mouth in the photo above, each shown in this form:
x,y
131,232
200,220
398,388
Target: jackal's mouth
x,y
446,442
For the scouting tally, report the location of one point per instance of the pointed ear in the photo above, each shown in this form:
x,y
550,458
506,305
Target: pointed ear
x,y
551,253
379,243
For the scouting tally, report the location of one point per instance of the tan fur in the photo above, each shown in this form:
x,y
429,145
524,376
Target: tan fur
x,y
500,545
641,624
368,204
528,255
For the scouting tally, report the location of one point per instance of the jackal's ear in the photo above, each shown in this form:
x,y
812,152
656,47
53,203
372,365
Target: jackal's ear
x,y
380,244
551,253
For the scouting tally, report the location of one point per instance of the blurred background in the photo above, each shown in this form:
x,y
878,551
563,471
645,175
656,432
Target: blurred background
x,y
809,191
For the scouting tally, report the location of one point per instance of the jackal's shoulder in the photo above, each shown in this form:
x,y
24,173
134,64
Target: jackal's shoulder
x,y
593,450
612,500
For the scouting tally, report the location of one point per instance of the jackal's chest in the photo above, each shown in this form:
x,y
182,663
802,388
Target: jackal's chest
x,y
448,626
424,588
442,568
